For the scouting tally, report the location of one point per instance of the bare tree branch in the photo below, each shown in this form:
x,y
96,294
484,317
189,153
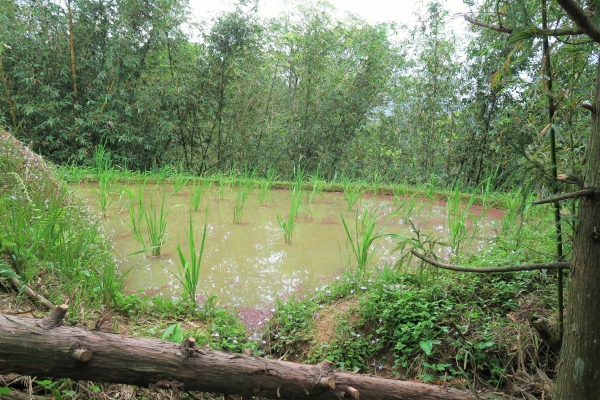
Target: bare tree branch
x,y
581,19
574,195
31,294
512,268
537,32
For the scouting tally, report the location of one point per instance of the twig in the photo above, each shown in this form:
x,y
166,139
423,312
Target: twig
x,y
526,267
32,295
573,195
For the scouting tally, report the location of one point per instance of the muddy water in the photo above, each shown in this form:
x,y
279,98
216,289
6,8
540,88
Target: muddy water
x,y
249,263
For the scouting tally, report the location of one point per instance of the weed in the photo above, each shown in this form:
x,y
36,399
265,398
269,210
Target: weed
x,y
179,181
244,188
352,193
288,225
361,247
457,216
155,218
265,185
196,195
189,272
173,333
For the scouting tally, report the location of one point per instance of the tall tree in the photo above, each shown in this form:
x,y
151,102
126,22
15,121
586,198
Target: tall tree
x,y
578,369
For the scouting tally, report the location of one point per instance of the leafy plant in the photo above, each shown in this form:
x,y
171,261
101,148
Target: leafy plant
x,y
155,218
57,388
173,333
189,271
288,225
179,181
244,188
265,185
361,245
352,192
457,215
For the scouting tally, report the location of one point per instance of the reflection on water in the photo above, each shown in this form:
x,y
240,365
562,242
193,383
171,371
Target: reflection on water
x,y
250,263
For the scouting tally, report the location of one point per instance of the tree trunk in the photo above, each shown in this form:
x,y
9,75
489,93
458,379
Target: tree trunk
x,y
73,70
40,348
579,372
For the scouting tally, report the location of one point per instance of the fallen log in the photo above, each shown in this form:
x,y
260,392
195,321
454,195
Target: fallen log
x,y
44,348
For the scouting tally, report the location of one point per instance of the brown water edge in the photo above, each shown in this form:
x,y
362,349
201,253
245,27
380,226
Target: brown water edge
x,y
249,265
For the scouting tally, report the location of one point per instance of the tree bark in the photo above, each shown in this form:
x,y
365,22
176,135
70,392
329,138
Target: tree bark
x,y
73,69
38,347
579,372
579,367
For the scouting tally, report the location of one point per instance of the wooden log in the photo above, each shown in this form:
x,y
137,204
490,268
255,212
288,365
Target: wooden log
x,y
30,347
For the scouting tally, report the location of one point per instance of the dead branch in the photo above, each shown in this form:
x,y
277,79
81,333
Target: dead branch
x,y
31,294
512,268
573,195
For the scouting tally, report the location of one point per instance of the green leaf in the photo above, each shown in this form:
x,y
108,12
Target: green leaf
x,y
173,333
427,345
4,391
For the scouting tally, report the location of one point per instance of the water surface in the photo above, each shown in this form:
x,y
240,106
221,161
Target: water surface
x,y
249,263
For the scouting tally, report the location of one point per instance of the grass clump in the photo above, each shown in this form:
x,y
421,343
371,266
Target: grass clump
x,y
361,239
189,273
49,239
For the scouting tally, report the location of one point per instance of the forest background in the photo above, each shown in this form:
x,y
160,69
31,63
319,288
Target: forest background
x,y
335,95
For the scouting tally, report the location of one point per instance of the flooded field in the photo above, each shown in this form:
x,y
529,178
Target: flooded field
x,y
249,263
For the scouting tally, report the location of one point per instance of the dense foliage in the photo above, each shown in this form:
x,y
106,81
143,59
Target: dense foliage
x,y
335,95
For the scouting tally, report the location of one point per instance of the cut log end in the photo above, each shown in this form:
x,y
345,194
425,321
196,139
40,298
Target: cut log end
x,y
327,383
325,366
351,392
187,348
82,355
55,317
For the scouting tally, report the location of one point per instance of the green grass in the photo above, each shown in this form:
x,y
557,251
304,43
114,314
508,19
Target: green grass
x,y
265,185
190,268
244,189
352,194
156,223
296,195
154,234
196,195
179,181
288,225
458,216
316,183
361,239
52,242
